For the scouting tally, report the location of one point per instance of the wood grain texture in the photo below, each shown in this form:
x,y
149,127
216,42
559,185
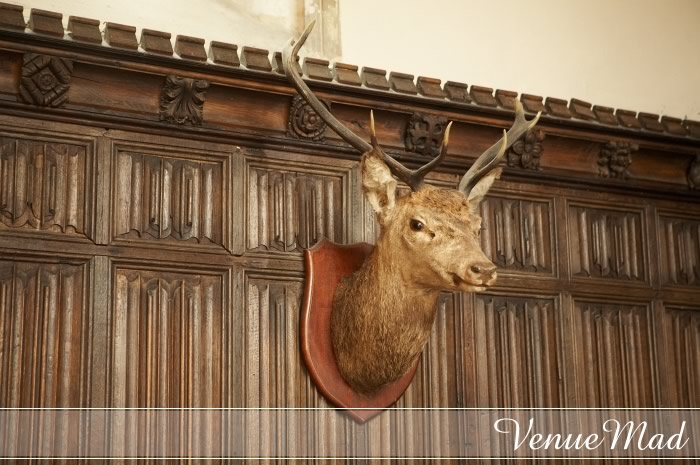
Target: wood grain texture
x,y
607,243
680,249
42,334
681,325
166,333
516,233
615,354
292,205
164,195
45,185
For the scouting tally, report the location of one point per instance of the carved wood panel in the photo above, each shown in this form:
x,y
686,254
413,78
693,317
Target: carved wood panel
x,y
680,250
519,351
179,327
168,338
614,354
681,326
607,243
45,184
170,197
42,334
292,205
516,233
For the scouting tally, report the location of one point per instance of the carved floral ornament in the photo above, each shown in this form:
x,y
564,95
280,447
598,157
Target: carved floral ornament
x,y
182,100
364,326
304,122
45,80
527,151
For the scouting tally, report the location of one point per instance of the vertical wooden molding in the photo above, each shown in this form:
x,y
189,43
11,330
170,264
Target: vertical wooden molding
x,y
100,300
103,190
239,199
355,208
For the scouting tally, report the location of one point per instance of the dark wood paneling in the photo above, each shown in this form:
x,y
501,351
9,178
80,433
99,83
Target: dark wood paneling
x,y
614,349
46,183
164,195
607,243
152,263
43,321
166,338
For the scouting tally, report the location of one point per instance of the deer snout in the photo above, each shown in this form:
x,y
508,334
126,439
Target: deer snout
x,y
484,272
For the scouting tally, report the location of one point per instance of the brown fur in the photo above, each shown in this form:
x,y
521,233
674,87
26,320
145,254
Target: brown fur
x,y
383,314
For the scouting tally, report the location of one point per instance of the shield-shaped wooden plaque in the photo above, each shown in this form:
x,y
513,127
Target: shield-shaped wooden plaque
x,y
327,263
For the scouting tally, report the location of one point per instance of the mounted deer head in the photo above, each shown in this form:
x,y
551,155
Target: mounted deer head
x,y
429,242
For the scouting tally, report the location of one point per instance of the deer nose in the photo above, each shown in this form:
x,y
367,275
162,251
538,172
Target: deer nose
x,y
485,272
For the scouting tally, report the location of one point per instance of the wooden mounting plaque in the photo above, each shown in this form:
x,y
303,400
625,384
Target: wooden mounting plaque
x,y
327,263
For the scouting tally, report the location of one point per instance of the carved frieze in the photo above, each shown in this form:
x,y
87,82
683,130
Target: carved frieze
x,y
45,80
182,100
607,243
694,174
526,152
304,122
43,185
615,159
424,134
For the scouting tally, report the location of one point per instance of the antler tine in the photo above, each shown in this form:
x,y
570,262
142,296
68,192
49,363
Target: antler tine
x,y
428,167
289,58
414,178
493,156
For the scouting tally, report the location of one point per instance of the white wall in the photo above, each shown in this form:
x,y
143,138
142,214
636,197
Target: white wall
x,y
641,55
259,23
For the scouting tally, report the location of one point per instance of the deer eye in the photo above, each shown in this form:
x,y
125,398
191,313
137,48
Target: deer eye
x,y
416,225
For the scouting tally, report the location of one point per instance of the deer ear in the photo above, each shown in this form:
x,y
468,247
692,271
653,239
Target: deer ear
x,y
479,191
378,183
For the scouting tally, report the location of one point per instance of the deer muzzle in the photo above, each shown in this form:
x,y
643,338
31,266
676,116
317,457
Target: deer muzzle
x,y
483,273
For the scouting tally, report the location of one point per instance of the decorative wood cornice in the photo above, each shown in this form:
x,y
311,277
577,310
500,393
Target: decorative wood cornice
x,y
48,24
248,103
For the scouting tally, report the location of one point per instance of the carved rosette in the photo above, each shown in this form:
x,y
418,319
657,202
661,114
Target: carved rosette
x,y
424,134
526,152
615,159
45,80
694,174
304,122
182,100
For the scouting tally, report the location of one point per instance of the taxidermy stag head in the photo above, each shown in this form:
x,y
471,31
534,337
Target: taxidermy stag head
x,y
429,242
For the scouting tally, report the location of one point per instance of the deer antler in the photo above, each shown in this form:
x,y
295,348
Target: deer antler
x,y
414,178
492,157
